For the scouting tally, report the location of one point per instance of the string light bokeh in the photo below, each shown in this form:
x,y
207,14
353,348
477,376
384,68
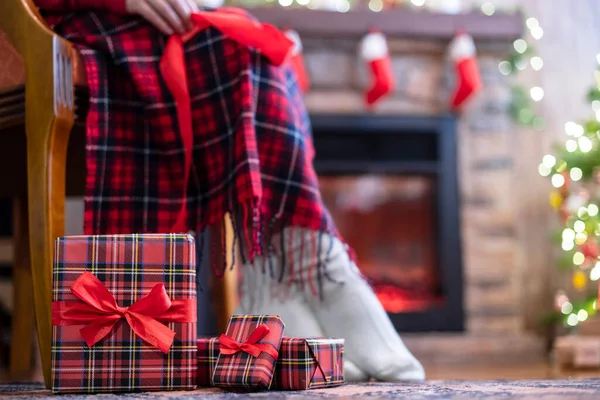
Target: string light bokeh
x,y
574,172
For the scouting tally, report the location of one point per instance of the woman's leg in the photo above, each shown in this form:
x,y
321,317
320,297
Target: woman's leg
x,y
350,309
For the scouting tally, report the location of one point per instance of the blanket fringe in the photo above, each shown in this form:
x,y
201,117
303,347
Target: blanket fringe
x,y
255,236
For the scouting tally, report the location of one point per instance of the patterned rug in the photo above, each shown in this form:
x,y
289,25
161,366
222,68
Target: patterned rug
x,y
547,389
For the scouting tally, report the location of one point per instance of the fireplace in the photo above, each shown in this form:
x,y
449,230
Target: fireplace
x,y
390,183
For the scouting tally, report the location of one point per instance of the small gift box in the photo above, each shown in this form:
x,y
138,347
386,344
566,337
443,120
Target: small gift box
x,y
302,363
208,352
124,313
309,364
248,352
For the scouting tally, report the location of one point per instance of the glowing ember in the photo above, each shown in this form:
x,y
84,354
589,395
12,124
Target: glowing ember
x,y
397,300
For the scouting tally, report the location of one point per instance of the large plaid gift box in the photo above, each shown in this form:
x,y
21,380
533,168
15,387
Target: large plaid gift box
x,y
248,352
302,363
309,364
124,313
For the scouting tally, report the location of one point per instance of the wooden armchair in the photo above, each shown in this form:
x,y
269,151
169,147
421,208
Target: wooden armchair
x,y
54,91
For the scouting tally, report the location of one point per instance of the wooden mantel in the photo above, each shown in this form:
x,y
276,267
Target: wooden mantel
x,y
393,23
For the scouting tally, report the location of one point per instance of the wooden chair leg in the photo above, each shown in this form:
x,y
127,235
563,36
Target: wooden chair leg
x,y
22,320
225,289
224,295
46,160
49,118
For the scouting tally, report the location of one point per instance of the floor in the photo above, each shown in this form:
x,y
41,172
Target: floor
x,y
519,382
493,372
431,390
471,373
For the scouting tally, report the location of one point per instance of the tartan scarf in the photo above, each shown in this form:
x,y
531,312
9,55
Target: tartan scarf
x,y
252,148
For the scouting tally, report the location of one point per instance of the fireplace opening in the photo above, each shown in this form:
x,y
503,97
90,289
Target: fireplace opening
x,y
391,185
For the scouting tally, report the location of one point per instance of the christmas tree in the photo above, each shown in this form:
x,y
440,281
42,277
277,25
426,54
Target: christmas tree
x,y
574,171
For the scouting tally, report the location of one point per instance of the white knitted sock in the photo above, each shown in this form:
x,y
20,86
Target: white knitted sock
x,y
349,308
262,295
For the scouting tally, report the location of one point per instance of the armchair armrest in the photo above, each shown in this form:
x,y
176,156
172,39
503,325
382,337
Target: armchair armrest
x,y
48,58
18,17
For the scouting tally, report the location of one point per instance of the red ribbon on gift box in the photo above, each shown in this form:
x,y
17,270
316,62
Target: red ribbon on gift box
x,y
236,25
99,312
251,346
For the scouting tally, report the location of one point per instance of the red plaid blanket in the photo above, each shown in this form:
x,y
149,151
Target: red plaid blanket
x,y
252,154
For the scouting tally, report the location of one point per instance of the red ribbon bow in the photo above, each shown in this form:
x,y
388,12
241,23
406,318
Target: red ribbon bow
x,y
236,25
99,312
230,346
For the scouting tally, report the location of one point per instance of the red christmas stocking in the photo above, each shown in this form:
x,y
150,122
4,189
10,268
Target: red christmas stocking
x,y
374,51
297,60
468,79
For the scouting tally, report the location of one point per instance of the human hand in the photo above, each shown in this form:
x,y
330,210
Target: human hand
x,y
169,16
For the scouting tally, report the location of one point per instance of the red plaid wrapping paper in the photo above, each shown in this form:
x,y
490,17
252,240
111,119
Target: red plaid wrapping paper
x,y
309,364
241,370
129,266
208,352
302,363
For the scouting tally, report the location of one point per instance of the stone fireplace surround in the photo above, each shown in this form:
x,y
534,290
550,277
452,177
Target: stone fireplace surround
x,y
390,182
494,323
